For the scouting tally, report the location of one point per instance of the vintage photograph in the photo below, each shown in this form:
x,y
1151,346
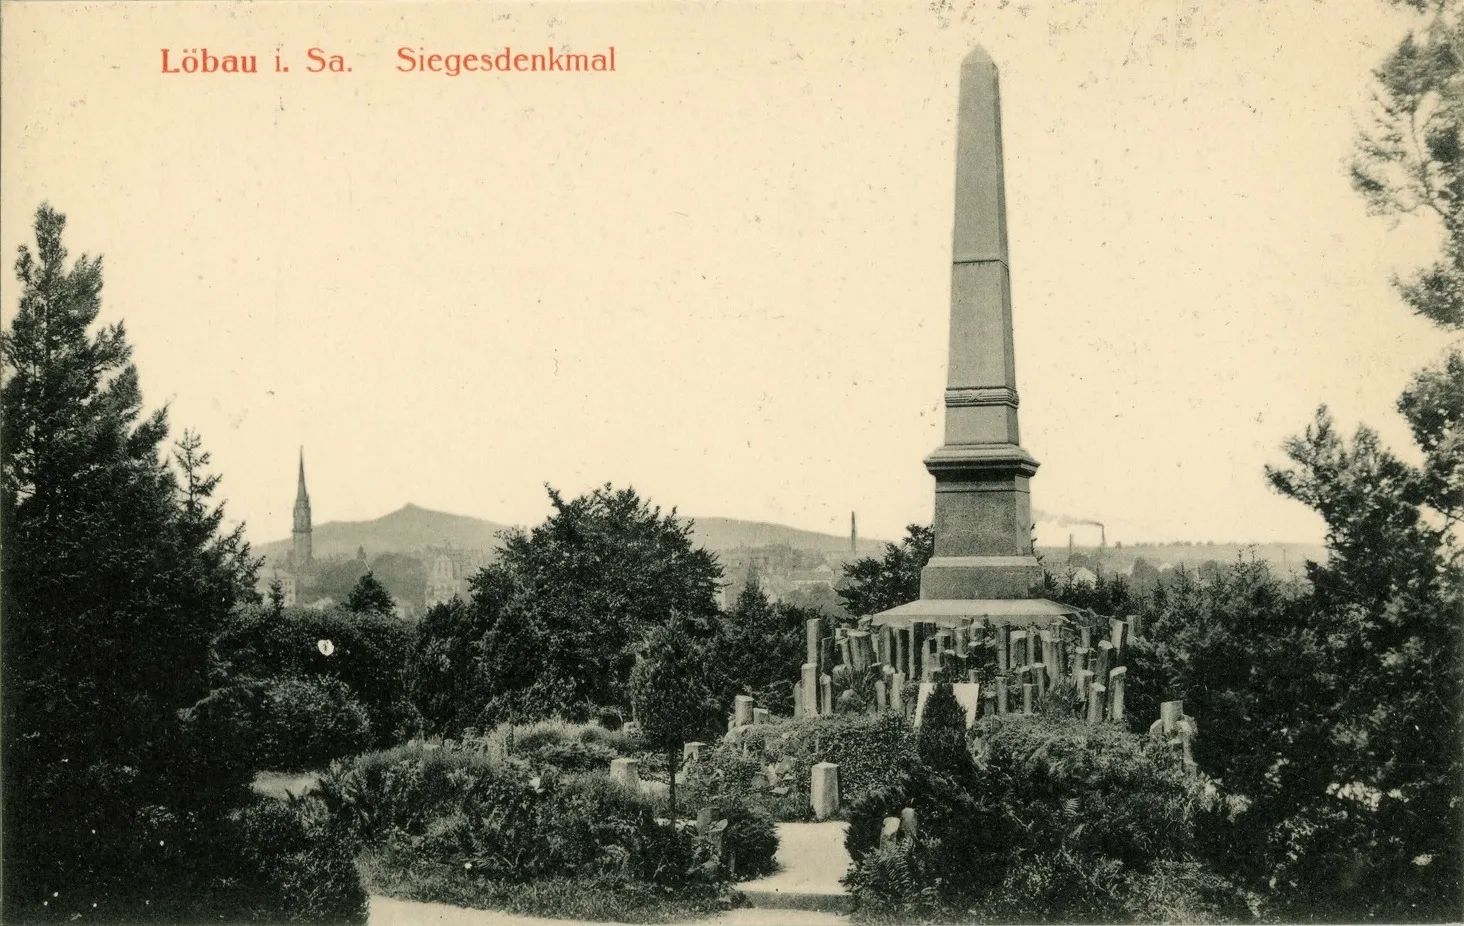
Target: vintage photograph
x,y
736,464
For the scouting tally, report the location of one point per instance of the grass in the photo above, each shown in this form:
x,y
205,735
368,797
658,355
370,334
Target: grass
x,y
588,899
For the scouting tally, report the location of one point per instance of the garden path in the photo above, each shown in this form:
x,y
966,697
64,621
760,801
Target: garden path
x,y
388,911
805,891
811,859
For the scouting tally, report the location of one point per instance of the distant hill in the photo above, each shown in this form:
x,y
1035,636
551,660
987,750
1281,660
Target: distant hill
x,y
730,533
411,529
1283,557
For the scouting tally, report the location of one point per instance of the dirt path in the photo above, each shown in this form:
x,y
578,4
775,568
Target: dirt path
x,y
386,911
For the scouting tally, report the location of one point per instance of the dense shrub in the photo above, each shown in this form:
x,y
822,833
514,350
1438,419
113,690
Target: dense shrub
x,y
307,723
1055,820
558,744
941,739
293,866
869,749
757,648
368,655
897,880
502,819
963,832
750,841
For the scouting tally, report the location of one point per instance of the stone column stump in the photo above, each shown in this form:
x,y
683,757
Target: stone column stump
x,y
824,790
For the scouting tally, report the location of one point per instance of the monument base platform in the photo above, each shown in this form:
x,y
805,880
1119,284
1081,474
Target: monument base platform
x,y
958,612
1000,577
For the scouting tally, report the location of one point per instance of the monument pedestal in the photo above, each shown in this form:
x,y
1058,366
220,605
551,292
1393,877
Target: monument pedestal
x,y
983,523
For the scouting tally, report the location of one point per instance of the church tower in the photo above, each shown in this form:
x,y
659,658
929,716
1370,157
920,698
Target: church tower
x,y
300,554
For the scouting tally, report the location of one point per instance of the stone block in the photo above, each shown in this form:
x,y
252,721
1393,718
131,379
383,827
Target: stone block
x,y
1116,679
761,715
824,790
969,697
742,709
889,832
1095,703
692,752
626,772
810,689
909,825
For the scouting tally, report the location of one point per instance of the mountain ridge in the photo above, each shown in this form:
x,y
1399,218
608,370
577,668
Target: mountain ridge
x,y
412,529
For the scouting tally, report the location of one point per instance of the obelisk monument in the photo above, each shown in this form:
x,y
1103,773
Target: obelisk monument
x,y
983,522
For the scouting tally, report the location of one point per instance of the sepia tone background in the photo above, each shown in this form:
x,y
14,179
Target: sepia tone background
x,y
721,273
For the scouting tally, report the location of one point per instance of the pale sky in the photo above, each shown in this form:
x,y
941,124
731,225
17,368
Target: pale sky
x,y
721,273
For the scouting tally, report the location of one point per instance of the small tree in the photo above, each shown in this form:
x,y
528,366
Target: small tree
x,y
370,597
276,597
756,648
670,693
941,741
875,585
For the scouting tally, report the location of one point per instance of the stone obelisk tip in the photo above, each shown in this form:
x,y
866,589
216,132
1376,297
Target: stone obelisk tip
x,y
977,56
980,227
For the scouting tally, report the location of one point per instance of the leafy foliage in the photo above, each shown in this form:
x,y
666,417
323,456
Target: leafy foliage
x,y
941,739
307,723
364,668
1411,158
757,649
369,596
556,621
500,820
669,693
875,585
1387,604
293,863
869,750
1060,821
448,683
750,842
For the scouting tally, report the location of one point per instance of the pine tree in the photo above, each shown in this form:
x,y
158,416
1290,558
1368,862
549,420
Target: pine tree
x,y
941,742
370,597
115,579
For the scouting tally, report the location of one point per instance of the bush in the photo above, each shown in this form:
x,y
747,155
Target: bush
x,y
568,747
941,739
870,750
894,880
964,834
502,819
307,723
750,841
294,866
1058,820
368,655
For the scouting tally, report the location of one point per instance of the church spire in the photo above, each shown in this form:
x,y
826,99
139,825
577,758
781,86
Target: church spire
x,y
301,553
302,496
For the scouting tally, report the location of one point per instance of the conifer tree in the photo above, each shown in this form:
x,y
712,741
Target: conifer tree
x,y
115,579
370,597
